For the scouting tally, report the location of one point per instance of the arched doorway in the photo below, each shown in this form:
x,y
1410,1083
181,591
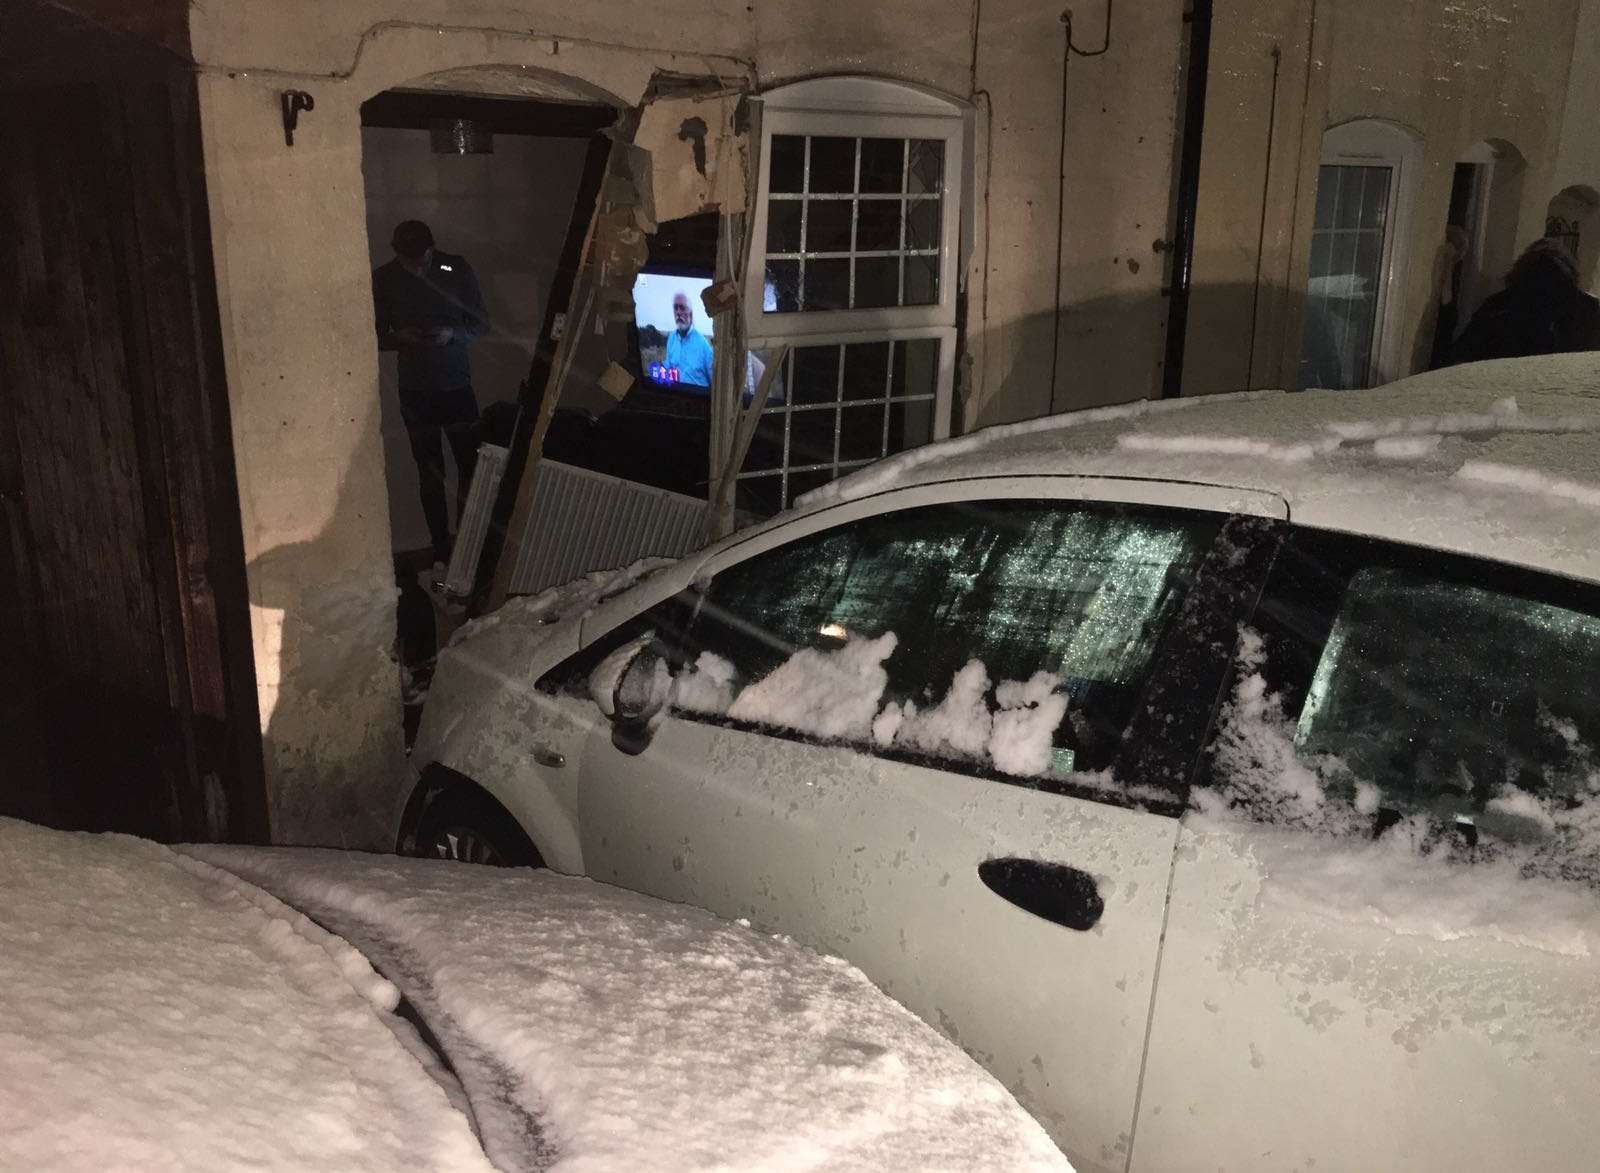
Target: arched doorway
x,y
503,169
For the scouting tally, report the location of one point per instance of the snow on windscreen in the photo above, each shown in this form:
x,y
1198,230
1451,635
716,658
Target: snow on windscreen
x,y
1522,867
648,1035
159,1014
838,695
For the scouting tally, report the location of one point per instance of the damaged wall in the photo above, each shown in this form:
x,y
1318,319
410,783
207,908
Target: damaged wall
x,y
293,265
295,291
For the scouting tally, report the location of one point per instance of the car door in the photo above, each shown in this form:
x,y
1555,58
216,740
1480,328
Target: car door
x,y
1380,951
918,852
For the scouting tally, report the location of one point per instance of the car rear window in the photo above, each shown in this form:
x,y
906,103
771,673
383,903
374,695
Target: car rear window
x,y
1378,683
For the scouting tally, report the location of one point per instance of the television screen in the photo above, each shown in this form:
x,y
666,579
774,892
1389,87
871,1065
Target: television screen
x,y
674,330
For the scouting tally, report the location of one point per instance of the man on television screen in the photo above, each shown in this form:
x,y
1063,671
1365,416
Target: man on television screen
x,y
688,352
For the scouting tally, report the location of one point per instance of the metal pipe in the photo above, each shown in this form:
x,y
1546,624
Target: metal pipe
x,y
1187,197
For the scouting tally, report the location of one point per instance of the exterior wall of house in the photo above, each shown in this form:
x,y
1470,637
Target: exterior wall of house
x,y
1455,75
1006,57
293,270
288,226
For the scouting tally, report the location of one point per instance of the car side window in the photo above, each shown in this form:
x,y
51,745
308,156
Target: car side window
x,y
1011,637
1381,684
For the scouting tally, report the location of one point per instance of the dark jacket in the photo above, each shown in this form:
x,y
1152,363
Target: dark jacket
x,y
446,294
1540,311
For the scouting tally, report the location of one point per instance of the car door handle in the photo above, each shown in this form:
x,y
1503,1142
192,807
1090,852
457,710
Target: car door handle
x,y
1058,893
546,756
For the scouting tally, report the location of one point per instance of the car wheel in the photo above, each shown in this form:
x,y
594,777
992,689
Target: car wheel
x,y
465,824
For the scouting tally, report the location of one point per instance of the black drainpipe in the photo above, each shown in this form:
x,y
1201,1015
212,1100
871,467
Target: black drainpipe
x,y
1187,195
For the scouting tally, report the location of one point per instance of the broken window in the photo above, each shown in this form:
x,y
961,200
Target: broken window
x,y
856,239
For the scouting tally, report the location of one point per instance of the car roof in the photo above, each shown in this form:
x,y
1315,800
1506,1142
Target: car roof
x,y
1496,459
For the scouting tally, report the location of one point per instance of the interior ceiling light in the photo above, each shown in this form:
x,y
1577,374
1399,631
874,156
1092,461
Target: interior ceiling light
x,y
460,136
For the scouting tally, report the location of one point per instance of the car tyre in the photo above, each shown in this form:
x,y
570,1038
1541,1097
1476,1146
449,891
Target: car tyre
x,y
463,823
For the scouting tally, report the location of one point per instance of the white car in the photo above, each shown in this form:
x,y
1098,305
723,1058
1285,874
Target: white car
x,y
1220,773
175,1009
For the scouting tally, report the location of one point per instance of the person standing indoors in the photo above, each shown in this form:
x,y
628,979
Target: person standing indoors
x,y
429,309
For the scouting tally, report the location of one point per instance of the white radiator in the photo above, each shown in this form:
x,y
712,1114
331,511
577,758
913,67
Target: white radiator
x,y
475,514
583,520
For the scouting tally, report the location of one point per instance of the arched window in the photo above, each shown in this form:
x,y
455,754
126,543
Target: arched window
x,y
857,239
1366,192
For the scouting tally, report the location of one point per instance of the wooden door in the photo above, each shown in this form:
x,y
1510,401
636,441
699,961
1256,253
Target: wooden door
x,y
124,610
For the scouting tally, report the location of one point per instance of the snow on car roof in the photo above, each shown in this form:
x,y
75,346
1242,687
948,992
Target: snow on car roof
x,y
157,1013
642,1034
1496,459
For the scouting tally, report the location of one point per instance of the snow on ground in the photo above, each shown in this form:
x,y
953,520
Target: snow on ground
x,y
655,1036
158,1014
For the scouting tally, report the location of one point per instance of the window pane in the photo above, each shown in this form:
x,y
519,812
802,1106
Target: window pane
x,y
816,374
910,424
861,433
783,287
877,282
811,436
1405,683
926,169
766,446
828,226
866,370
1446,695
1347,200
827,285
879,226
1346,276
882,164
783,226
922,280
833,165
1082,593
916,367
788,162
922,224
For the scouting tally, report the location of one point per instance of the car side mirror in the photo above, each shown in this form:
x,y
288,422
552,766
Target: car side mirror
x,y
633,686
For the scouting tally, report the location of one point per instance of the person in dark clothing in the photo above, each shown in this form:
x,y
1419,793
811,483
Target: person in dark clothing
x,y
1541,310
429,308
1447,289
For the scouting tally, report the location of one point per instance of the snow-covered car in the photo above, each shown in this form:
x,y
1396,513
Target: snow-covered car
x,y
1220,772
193,1009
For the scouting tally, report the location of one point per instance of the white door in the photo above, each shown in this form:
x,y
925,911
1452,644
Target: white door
x,y
1380,951
917,857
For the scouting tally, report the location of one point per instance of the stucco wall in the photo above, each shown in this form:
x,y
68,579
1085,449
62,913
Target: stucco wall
x,y
1119,119
1454,74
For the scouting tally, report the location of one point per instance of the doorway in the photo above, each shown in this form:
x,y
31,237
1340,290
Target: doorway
x,y
505,188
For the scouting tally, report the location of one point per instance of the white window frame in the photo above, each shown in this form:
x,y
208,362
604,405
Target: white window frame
x,y
864,107
941,398
1374,142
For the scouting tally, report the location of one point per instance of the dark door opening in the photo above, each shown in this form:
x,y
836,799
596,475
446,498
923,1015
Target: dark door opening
x,y
506,187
